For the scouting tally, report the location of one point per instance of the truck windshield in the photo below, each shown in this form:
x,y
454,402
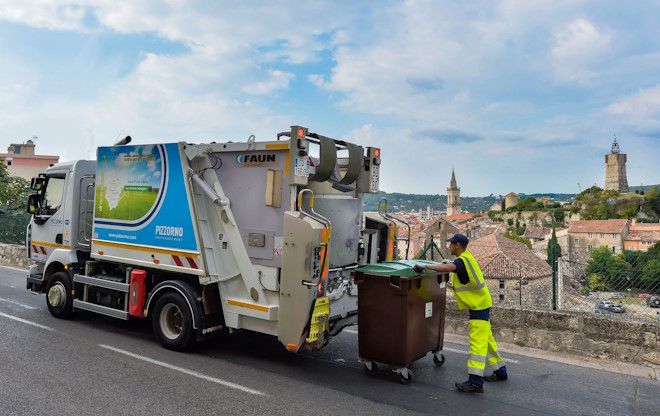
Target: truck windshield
x,y
52,195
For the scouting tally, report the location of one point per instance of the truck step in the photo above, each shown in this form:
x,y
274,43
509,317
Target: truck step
x,y
100,309
105,282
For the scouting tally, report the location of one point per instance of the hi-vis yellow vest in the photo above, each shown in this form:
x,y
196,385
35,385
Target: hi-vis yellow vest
x,y
474,295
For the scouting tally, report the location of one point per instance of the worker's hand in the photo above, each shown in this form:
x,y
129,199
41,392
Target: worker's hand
x,y
447,261
418,268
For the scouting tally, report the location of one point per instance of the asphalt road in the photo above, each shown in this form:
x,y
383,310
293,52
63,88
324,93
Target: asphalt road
x,y
93,365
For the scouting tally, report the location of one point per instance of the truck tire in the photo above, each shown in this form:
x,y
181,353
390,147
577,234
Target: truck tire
x,y
58,295
172,322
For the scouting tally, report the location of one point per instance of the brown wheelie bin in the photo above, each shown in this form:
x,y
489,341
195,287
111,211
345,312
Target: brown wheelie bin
x,y
401,315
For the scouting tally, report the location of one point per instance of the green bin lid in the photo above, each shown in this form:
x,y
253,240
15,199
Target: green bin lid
x,y
393,268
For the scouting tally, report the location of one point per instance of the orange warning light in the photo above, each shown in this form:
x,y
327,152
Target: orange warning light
x,y
377,152
301,133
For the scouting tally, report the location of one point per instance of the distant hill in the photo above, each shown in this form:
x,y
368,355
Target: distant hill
x,y
644,188
415,202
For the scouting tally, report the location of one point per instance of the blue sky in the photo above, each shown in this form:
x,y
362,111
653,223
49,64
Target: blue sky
x,y
515,95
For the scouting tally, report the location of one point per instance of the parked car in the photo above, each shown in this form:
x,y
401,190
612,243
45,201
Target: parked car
x,y
604,304
616,308
653,302
644,296
602,312
618,296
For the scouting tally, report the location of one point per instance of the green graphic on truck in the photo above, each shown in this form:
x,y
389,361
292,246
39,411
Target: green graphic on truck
x,y
129,179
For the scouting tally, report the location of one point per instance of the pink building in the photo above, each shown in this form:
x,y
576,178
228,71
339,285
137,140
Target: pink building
x,y
22,162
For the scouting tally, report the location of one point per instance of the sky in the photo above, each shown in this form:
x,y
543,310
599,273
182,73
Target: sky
x,y
514,95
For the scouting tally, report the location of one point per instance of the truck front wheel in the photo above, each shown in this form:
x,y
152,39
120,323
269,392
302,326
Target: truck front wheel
x,y
58,295
172,322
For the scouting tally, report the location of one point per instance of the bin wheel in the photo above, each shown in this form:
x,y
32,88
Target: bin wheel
x,y
372,371
439,361
406,376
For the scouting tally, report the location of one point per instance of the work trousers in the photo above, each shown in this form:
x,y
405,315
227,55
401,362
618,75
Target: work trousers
x,y
483,348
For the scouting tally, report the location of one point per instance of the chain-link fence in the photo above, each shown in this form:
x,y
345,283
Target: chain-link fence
x,y
12,228
623,286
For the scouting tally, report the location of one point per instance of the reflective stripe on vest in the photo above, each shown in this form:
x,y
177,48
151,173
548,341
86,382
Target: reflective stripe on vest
x,y
479,284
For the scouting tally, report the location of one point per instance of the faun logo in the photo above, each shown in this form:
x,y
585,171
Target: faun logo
x,y
257,159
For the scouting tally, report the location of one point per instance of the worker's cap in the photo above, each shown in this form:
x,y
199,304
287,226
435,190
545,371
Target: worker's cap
x,y
460,239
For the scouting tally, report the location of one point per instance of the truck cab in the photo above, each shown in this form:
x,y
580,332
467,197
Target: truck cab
x,y
59,234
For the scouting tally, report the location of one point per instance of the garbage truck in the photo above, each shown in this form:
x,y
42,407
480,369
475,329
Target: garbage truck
x,y
206,239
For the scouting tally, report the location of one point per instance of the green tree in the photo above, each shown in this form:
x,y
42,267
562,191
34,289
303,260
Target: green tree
x,y
13,202
558,215
614,270
13,191
651,275
652,199
557,247
596,283
515,237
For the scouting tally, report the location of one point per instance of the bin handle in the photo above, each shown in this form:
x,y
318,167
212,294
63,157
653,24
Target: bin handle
x,y
397,287
358,277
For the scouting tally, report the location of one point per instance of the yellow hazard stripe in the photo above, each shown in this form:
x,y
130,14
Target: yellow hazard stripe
x,y
247,305
281,146
275,146
41,243
147,249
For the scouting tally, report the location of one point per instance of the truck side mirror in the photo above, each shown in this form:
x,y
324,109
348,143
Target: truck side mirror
x,y
34,203
37,183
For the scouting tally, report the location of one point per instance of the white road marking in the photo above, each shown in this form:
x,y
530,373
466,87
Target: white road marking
x,y
13,268
17,303
351,331
186,371
15,318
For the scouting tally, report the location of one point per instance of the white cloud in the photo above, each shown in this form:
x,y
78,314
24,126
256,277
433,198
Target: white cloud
x,y
47,14
578,48
276,80
644,103
500,76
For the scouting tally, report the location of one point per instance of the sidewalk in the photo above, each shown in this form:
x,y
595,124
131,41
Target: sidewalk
x,y
649,373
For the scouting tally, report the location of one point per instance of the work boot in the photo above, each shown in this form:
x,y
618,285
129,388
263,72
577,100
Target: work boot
x,y
496,377
468,387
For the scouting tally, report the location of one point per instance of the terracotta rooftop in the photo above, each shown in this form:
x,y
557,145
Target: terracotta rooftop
x,y
537,232
598,226
636,235
502,258
461,217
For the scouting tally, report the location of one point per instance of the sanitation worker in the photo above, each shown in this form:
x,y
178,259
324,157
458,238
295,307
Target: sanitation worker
x,y
472,293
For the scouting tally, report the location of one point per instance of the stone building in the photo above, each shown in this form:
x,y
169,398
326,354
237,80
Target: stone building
x,y
511,199
615,174
587,235
641,237
453,197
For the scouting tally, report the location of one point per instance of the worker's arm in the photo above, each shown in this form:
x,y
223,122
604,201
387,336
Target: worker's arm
x,y
442,267
447,266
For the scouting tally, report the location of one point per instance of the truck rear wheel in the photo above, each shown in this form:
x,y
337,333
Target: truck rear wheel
x,y
58,295
172,322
